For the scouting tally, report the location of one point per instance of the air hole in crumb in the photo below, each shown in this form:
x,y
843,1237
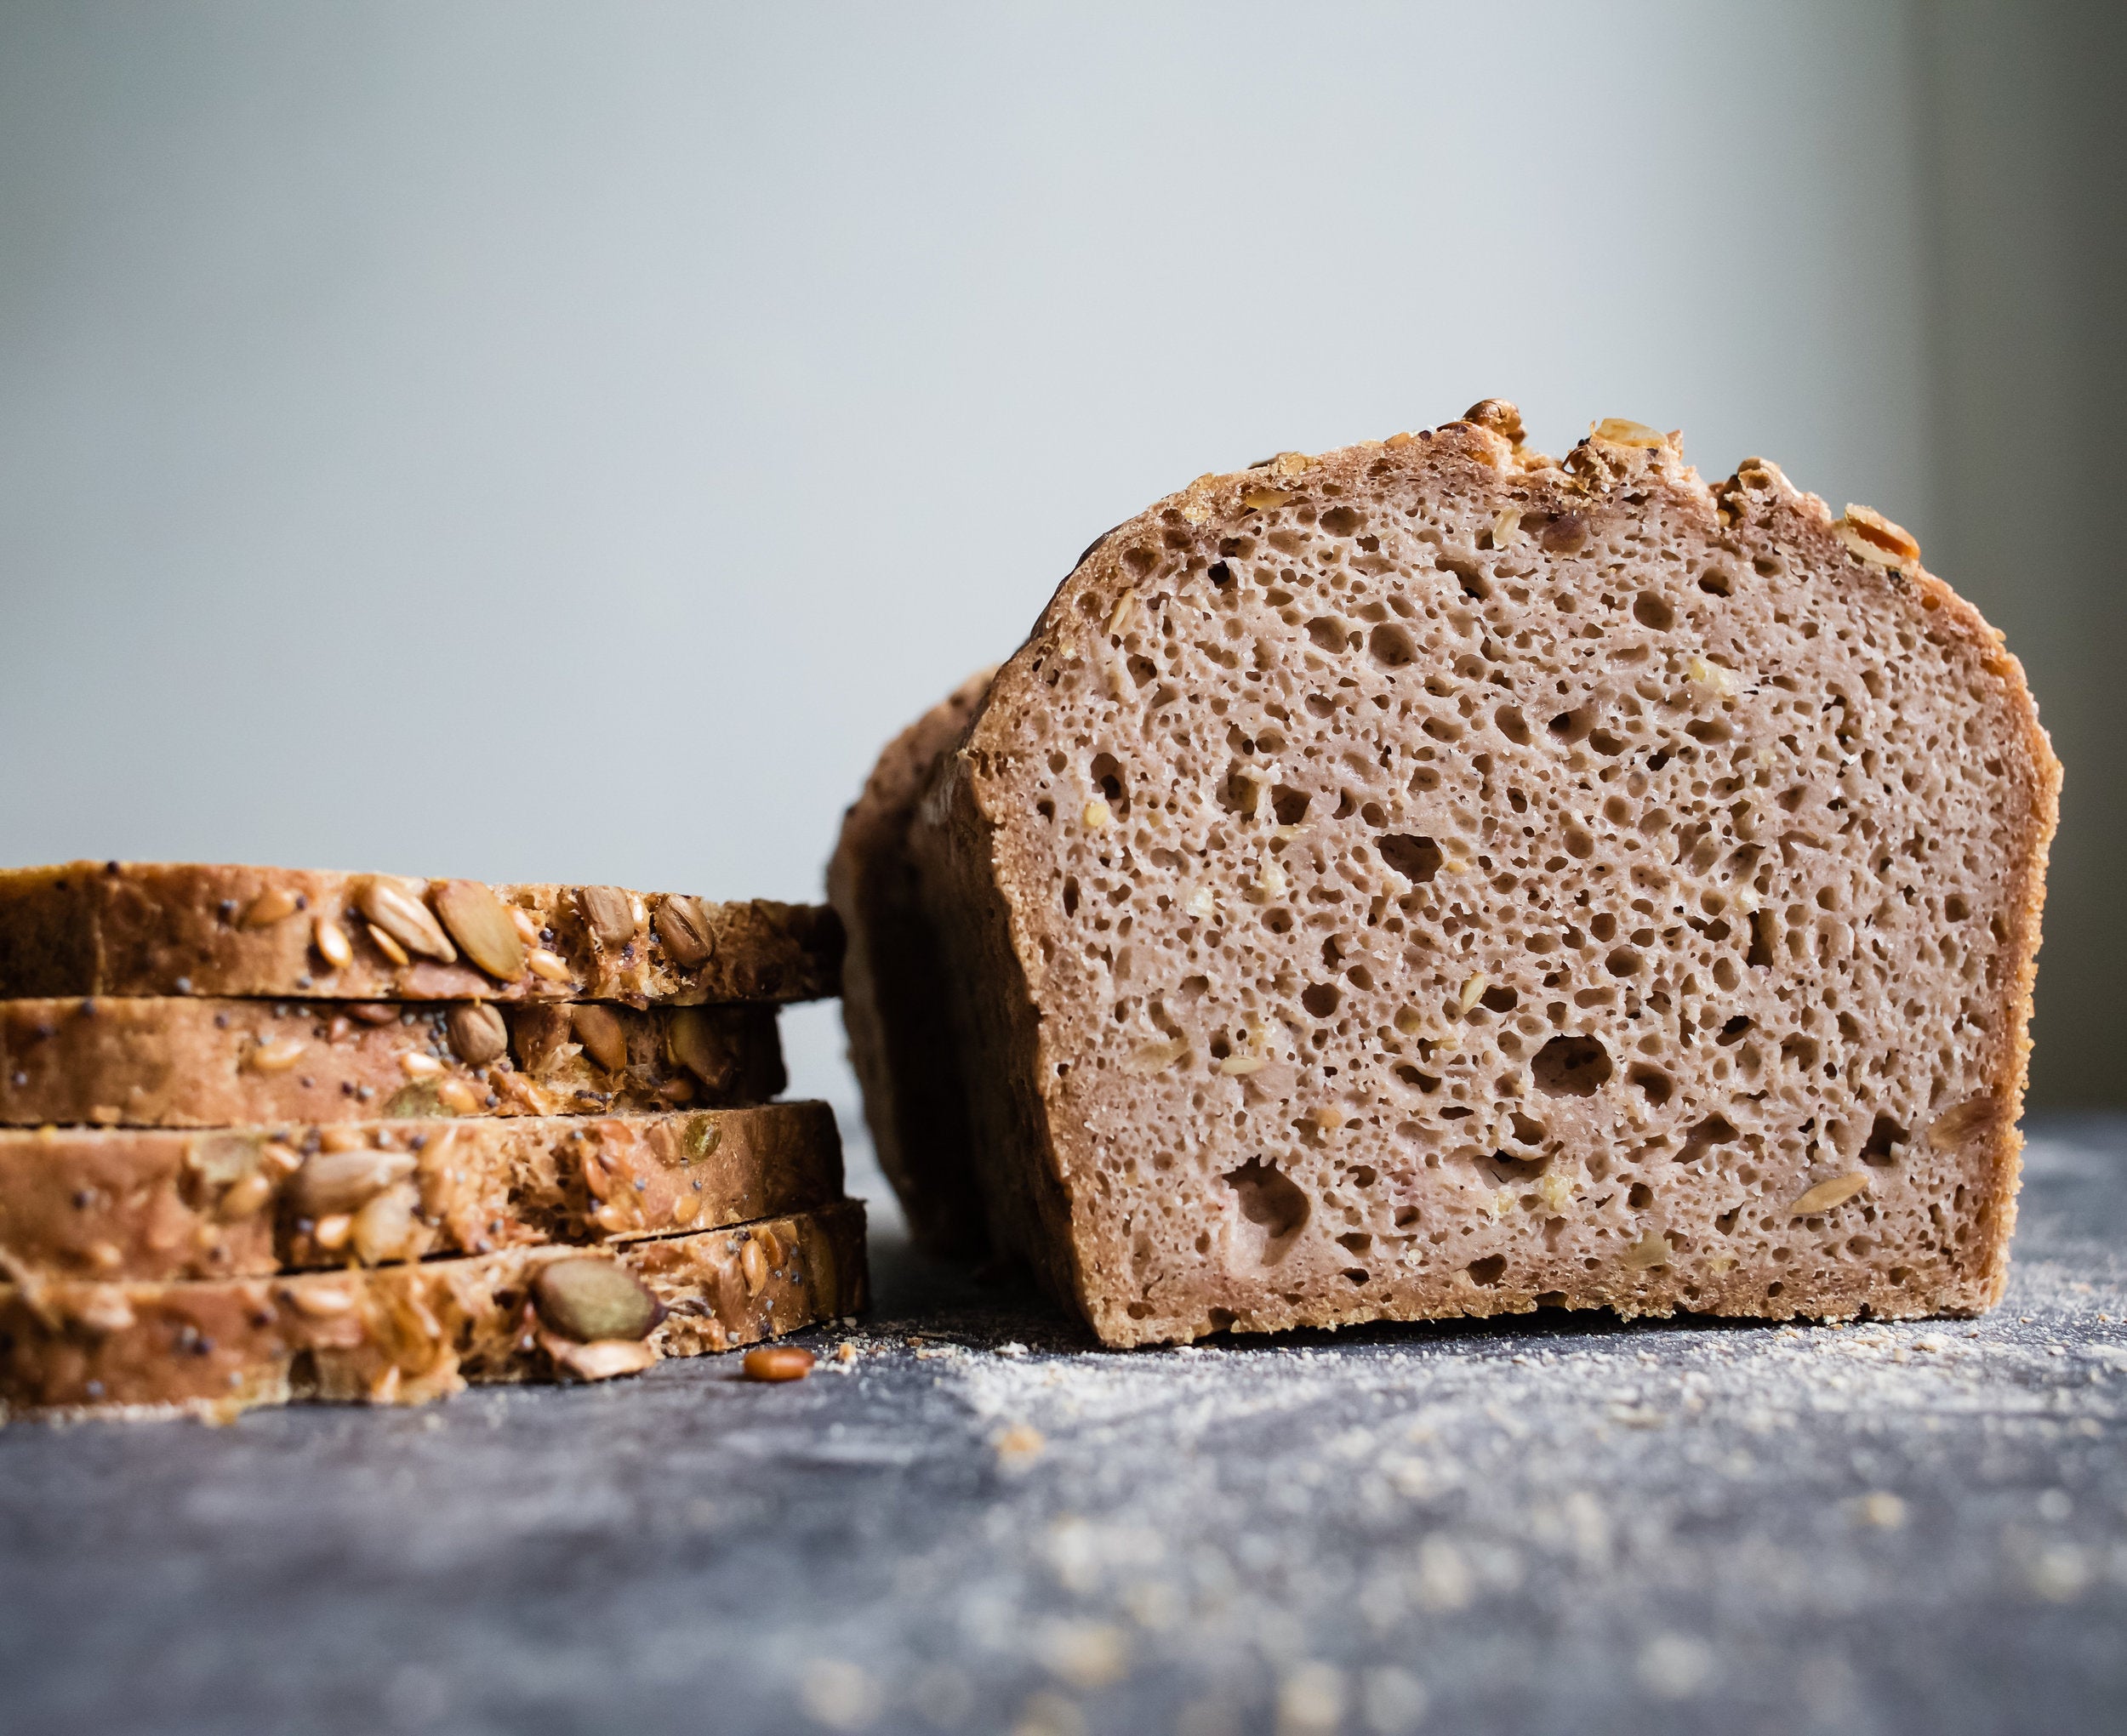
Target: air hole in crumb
x,y
1885,1136
1321,999
1071,895
1512,725
1221,575
1329,632
1640,1196
1762,932
1416,859
1649,610
1391,648
1732,1032
1654,1084
1488,1271
1715,584
1268,1197
1571,1066
1289,805
1475,585
1107,772
1716,1130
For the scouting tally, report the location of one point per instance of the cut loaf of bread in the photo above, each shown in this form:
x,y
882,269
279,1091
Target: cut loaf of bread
x,y
894,997
1431,879
150,1204
402,1334
244,1063
187,928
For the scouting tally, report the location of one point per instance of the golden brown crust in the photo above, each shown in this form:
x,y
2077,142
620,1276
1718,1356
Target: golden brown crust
x,y
995,885
209,929
121,1062
894,997
150,1205
404,1334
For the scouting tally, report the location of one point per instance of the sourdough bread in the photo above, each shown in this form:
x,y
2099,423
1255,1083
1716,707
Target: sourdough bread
x,y
243,1063
149,1205
1430,878
186,928
402,1334
893,999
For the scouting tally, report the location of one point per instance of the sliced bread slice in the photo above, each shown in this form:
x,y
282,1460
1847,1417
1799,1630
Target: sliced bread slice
x,y
137,928
149,1205
178,1063
402,1334
894,999
1430,878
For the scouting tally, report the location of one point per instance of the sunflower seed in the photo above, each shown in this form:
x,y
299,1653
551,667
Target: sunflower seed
x,y
606,915
684,925
402,914
480,924
268,907
478,1034
604,1038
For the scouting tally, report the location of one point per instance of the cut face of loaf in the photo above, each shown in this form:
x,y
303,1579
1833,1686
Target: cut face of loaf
x,y
241,1063
188,928
1433,879
403,1334
893,996
153,1204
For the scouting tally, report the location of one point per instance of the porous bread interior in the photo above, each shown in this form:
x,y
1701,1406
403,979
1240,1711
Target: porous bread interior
x,y
1444,881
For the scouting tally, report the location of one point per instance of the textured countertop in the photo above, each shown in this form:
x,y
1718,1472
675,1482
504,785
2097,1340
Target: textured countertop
x,y
1557,1524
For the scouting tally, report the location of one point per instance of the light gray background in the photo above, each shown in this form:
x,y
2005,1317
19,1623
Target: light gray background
x,y
556,442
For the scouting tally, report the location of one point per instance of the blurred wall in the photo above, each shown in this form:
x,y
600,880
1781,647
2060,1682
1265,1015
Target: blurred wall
x,y
2024,140
554,442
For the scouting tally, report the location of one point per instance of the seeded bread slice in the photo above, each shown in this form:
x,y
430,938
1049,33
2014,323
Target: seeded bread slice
x,y
146,1205
245,1063
894,999
403,1334
187,928
1433,879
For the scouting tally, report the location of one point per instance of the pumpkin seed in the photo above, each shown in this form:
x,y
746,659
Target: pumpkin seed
x,y
593,1299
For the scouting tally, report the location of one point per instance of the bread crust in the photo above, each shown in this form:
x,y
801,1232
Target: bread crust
x,y
190,928
893,997
404,1334
151,1206
131,1062
993,872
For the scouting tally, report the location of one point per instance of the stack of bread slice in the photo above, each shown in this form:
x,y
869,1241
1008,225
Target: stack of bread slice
x,y
270,1134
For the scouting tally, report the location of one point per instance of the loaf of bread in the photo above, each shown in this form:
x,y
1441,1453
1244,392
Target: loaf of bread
x,y
893,997
1430,878
150,1204
402,1334
244,1063
186,928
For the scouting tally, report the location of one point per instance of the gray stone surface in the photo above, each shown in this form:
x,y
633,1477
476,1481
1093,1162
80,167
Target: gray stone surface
x,y
1557,1524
